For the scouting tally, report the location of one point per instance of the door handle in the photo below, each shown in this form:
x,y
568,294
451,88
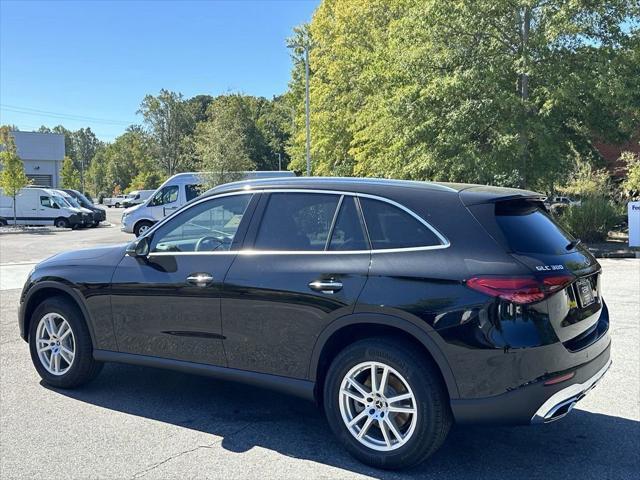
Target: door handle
x,y
326,286
200,279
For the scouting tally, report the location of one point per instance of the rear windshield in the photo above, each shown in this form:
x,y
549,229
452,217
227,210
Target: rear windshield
x,y
528,228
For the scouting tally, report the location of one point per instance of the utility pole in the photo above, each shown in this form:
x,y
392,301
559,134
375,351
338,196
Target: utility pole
x,y
279,161
301,43
306,107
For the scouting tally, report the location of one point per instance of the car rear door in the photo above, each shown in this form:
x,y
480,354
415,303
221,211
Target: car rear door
x,y
304,264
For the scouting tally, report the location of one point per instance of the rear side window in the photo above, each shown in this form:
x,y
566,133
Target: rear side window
x,y
296,221
348,233
392,227
528,228
192,191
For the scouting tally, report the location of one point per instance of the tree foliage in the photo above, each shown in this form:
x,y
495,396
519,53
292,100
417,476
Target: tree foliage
x,y
70,175
466,90
12,176
224,144
170,121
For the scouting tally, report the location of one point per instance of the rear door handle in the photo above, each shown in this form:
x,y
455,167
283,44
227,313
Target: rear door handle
x,y
200,279
326,286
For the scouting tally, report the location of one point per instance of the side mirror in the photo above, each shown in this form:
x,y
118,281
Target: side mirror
x,y
138,248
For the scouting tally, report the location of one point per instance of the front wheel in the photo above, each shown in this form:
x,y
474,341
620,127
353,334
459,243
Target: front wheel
x,y
386,403
117,205
141,228
60,344
62,223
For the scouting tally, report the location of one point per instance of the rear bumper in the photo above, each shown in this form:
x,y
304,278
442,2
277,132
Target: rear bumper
x,y
561,403
534,402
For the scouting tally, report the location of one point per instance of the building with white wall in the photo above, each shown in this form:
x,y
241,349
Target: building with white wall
x,y
42,155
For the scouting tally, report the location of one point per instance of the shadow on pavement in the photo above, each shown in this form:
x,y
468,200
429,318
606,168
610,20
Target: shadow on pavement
x,y
583,445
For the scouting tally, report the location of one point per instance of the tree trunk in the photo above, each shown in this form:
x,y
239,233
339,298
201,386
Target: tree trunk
x,y
525,25
15,216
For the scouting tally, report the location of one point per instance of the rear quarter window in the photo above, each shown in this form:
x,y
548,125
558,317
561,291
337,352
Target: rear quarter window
x,y
391,227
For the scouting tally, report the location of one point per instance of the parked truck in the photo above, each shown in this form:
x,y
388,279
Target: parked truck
x,y
117,201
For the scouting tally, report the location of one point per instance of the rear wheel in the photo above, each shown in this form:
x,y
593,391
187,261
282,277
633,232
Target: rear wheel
x,y
141,227
117,205
62,223
60,344
386,403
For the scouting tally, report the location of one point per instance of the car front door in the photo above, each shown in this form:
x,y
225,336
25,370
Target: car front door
x,y
304,264
164,202
167,304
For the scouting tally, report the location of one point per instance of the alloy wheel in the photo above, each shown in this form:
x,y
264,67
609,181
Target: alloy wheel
x,y
378,406
55,344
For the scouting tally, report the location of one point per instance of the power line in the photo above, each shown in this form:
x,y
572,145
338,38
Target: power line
x,y
62,116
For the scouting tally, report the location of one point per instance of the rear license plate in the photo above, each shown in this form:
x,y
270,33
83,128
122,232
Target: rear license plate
x,y
585,292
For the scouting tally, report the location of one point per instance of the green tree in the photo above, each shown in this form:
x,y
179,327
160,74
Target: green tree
x,y
12,176
145,181
631,184
467,90
97,173
85,144
130,154
170,121
222,143
70,175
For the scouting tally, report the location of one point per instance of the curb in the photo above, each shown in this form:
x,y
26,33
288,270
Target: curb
x,y
619,254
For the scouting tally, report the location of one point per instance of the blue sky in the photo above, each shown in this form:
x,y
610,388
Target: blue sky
x,y
91,63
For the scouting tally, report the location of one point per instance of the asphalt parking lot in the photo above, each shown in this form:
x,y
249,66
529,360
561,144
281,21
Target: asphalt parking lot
x,y
133,422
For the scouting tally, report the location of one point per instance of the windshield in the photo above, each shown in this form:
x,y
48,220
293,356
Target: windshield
x,y
72,201
62,203
83,200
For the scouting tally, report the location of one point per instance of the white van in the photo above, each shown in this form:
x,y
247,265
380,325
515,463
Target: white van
x,y
173,194
137,197
39,206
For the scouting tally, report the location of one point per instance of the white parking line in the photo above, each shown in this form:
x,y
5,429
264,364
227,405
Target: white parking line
x,y
14,275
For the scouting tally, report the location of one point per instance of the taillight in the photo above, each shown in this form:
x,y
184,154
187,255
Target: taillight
x,y
519,289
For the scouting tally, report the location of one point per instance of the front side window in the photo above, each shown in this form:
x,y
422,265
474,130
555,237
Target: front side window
x,y
164,196
207,227
296,222
392,227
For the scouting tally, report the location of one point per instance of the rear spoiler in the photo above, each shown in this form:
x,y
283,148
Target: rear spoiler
x,y
475,195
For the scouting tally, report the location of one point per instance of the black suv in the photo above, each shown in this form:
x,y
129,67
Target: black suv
x,y
398,306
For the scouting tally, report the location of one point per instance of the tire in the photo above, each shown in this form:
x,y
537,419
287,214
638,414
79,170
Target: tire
x,y
422,432
117,205
61,223
95,224
141,227
109,206
82,368
3,222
